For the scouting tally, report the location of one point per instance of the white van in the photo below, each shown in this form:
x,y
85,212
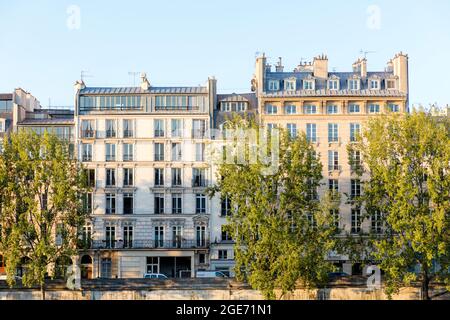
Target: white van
x,y
211,274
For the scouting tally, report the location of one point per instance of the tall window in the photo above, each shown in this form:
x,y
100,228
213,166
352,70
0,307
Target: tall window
x,y
332,109
176,128
86,150
309,109
177,236
128,179
201,236
128,203
225,207
374,108
333,132
87,129
128,236
292,130
311,132
176,177
176,152
333,185
90,177
158,125
355,160
290,109
177,203
355,189
271,109
377,222
110,177
128,152
110,203
159,203
159,236
159,177
333,160
110,128
128,128
88,202
199,152
355,129
225,234
199,177
200,203
110,152
159,151
353,108
198,129
336,217
110,236
356,221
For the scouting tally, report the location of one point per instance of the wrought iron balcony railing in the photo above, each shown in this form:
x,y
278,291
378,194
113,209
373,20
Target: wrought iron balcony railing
x,y
150,244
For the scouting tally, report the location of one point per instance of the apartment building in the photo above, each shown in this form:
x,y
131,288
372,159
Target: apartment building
x,y
144,150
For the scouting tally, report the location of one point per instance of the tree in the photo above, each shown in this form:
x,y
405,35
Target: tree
x,y
406,178
40,206
282,232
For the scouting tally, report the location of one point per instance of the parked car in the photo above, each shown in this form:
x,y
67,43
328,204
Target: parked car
x,y
211,274
155,276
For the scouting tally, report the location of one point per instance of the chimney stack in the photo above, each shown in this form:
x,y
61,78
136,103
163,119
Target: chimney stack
x,y
279,67
145,84
400,69
320,67
360,66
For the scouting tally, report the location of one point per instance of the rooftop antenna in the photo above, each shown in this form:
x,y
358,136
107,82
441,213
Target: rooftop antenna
x,y
84,74
134,74
365,53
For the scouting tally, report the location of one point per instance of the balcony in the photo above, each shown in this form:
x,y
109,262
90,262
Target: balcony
x,y
110,133
159,133
88,134
128,133
86,158
150,244
127,157
199,183
110,158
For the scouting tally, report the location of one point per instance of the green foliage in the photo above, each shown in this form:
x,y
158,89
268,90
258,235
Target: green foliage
x,y
40,205
282,232
406,175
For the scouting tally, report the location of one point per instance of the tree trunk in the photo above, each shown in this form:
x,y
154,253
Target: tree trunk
x,y
425,286
43,291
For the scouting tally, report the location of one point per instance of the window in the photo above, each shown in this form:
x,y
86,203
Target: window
x,y
199,177
159,151
356,221
90,177
241,106
333,85
311,132
159,177
128,236
176,152
177,236
394,107
271,109
110,152
390,84
200,236
198,129
128,152
87,129
152,264
333,161
110,126
355,160
274,85
308,84
374,108
86,235
353,84
199,152
106,272
333,132
355,189
158,125
292,130
159,203
110,203
271,126
353,108
309,109
291,109
289,85
86,150
1,126
177,203
336,217
128,128
159,236
225,207
110,177
176,128
377,222
333,185
202,258
332,109
176,177
200,203
110,236
225,234
225,106
88,203
128,180
128,203
355,130
374,84
223,254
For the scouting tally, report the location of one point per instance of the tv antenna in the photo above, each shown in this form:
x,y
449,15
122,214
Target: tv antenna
x,y
84,74
134,74
365,53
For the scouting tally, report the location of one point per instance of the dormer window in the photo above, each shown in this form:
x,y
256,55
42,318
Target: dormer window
x,y
333,84
390,84
271,109
290,85
241,106
374,84
274,85
225,106
353,84
308,85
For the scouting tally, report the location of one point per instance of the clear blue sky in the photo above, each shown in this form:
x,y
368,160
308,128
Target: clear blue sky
x,y
179,42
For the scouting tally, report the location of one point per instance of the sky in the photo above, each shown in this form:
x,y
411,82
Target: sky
x,y
44,45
